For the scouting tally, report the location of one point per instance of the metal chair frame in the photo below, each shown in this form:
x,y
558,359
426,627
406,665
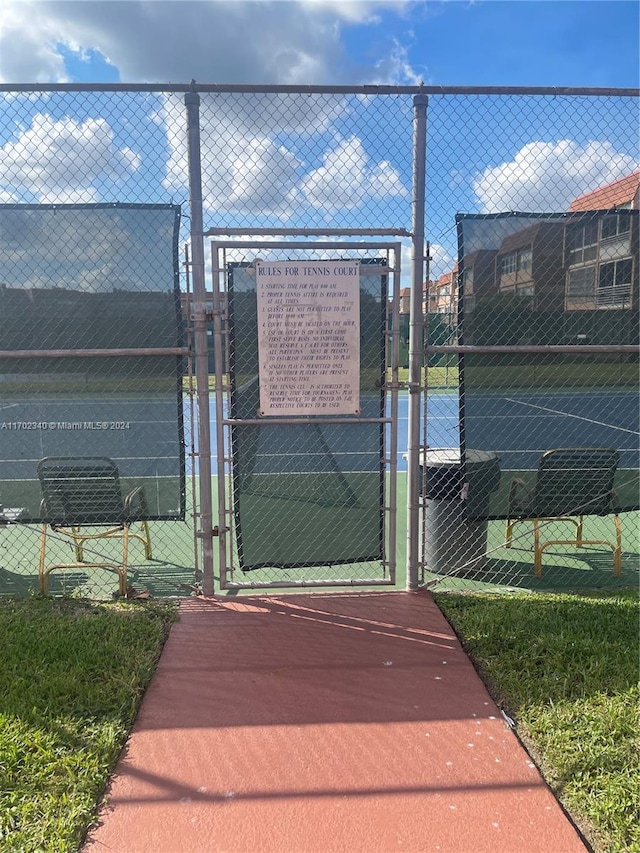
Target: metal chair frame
x,y
80,492
559,471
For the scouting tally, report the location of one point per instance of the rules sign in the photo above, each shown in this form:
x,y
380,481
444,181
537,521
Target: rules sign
x,y
309,337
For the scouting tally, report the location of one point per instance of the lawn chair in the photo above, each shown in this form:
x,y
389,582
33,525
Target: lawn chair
x,y
570,483
80,492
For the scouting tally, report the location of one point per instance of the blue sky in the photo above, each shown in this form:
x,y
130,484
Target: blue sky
x,y
456,42
506,43
350,165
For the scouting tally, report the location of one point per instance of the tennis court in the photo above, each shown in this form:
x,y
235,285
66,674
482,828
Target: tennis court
x,y
499,424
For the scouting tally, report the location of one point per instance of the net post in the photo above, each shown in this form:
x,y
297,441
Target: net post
x,y
416,325
192,104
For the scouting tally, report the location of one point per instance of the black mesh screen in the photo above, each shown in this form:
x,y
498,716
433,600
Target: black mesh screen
x,y
534,280
308,494
87,277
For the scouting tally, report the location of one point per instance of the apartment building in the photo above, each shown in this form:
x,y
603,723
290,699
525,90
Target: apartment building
x,y
443,295
601,250
405,300
589,261
529,263
479,276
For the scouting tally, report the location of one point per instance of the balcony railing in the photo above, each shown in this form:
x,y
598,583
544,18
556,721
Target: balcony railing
x,y
617,296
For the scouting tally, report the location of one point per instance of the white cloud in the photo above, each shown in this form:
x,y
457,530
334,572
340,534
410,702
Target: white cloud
x,y
345,180
395,68
546,176
28,50
264,177
442,260
58,161
250,161
243,169
251,42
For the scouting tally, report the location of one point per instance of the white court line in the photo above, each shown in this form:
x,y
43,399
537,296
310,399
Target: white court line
x,y
569,415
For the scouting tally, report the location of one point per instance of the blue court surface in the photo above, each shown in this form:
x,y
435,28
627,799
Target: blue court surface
x,y
522,426
517,426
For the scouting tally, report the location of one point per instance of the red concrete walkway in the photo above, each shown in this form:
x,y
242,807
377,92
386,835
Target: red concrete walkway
x,y
320,723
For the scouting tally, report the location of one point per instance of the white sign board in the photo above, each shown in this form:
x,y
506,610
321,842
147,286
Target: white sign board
x,y
309,337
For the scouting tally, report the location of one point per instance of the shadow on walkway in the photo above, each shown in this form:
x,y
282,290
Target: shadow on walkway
x,y
323,722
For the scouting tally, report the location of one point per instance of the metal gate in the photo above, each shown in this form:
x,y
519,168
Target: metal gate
x,y
305,500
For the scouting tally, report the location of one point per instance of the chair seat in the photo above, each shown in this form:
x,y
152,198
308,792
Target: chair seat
x,y
85,492
570,483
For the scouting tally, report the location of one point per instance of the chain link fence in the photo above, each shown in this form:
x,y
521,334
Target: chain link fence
x,y
95,427
530,476
522,341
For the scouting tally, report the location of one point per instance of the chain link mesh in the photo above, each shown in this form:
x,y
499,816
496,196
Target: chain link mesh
x,y
549,432
89,247
328,161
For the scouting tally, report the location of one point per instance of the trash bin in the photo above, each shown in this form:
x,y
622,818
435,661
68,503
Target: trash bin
x,y
453,525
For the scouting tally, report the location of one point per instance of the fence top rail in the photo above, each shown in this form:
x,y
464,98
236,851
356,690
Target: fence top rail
x,y
255,88
307,232
554,349
116,352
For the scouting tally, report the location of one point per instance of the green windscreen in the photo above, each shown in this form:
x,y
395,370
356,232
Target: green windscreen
x,y
90,277
307,494
546,280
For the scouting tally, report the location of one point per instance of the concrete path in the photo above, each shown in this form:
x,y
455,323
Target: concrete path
x,y
317,723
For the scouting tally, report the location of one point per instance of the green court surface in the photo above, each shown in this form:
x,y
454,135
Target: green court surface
x,y
172,571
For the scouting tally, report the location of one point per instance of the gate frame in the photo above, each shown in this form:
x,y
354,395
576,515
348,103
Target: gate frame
x,y
223,424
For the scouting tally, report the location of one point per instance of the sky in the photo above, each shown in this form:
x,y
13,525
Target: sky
x,y
501,42
335,161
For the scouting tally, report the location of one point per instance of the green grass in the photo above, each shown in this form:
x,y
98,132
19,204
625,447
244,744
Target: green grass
x,y
578,376
565,667
439,377
72,675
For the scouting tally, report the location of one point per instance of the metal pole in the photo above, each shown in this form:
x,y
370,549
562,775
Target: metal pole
x,y
422,472
308,232
192,103
220,367
416,324
319,89
393,443
192,449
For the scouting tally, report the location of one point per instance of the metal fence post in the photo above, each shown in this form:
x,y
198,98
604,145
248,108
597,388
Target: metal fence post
x,y
192,103
416,326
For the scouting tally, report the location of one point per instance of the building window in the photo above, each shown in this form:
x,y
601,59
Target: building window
x,y
581,284
524,290
615,236
614,284
615,225
519,261
581,242
467,280
524,259
508,264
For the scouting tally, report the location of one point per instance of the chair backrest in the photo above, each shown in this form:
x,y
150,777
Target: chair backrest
x,y
83,490
576,481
